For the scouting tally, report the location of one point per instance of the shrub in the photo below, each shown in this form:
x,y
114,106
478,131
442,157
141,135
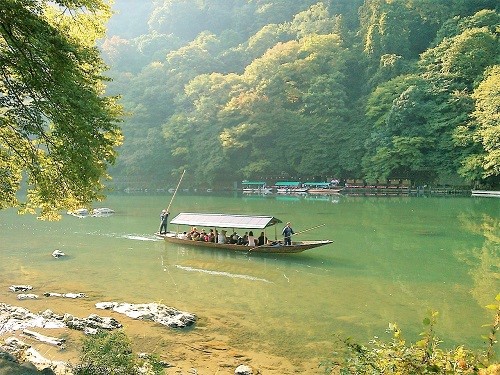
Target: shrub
x,y
423,357
110,353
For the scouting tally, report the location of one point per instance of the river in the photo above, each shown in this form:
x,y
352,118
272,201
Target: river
x,y
392,260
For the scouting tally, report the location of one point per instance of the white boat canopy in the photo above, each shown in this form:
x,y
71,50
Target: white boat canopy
x,y
225,221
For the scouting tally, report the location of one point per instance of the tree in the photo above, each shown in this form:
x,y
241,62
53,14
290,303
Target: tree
x,y
57,130
482,134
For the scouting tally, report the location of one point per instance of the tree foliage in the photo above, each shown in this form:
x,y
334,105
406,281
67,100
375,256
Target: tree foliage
x,y
57,131
370,89
425,356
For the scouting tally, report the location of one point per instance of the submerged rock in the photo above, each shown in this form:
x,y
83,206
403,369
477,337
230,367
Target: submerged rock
x,y
27,296
20,288
65,295
155,312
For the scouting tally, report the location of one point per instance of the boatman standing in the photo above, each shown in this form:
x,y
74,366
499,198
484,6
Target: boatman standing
x,y
163,221
287,232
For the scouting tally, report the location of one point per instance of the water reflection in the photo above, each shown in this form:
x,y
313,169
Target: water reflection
x,y
484,261
391,260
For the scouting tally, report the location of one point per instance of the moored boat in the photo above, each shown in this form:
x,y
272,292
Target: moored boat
x,y
258,187
220,222
486,193
325,188
290,187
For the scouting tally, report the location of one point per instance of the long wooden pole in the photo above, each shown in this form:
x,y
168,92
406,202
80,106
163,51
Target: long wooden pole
x,y
307,230
175,192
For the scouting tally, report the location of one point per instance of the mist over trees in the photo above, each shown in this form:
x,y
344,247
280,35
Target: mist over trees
x,y
374,89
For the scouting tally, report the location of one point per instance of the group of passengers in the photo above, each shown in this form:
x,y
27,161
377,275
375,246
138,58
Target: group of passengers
x,y
213,235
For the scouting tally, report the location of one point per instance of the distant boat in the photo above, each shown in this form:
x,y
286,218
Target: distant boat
x,y
324,188
258,187
222,221
96,212
486,193
290,187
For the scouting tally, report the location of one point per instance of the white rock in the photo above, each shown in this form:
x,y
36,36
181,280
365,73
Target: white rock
x,y
42,338
243,370
57,253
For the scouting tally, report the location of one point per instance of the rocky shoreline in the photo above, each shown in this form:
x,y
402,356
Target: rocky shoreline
x,y
17,356
17,319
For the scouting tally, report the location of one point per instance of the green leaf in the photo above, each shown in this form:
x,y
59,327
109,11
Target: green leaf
x,y
426,321
421,343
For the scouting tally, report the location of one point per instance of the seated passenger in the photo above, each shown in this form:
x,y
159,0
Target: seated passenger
x,y
251,239
234,238
222,237
194,232
273,243
262,239
211,236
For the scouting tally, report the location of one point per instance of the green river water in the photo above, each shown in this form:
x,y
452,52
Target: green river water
x,y
393,259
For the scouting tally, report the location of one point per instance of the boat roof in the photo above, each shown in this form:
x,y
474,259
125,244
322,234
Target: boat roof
x,y
319,184
287,183
246,182
224,220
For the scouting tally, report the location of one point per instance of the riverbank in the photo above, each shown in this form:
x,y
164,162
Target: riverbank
x,y
203,349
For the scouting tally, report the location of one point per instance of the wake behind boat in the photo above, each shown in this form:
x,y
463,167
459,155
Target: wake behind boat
x,y
220,223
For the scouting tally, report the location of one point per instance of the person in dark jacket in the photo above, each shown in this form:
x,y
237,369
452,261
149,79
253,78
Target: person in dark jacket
x,y
287,232
163,221
262,239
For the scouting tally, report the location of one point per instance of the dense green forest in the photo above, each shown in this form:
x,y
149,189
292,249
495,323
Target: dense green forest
x,y
253,89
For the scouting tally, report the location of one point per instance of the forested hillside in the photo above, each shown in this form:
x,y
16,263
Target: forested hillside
x,y
373,89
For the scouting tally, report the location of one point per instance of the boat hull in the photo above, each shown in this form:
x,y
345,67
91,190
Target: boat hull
x,y
324,191
296,247
485,193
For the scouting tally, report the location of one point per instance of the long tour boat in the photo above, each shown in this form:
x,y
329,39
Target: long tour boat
x,y
324,188
223,223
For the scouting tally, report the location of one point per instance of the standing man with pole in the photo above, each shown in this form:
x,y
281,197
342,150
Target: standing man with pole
x,y
287,232
164,213
163,221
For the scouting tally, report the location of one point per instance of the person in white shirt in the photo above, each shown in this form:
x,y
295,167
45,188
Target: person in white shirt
x,y
251,239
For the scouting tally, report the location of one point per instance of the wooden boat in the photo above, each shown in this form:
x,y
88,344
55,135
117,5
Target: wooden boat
x,y
324,188
486,193
258,187
221,222
290,187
